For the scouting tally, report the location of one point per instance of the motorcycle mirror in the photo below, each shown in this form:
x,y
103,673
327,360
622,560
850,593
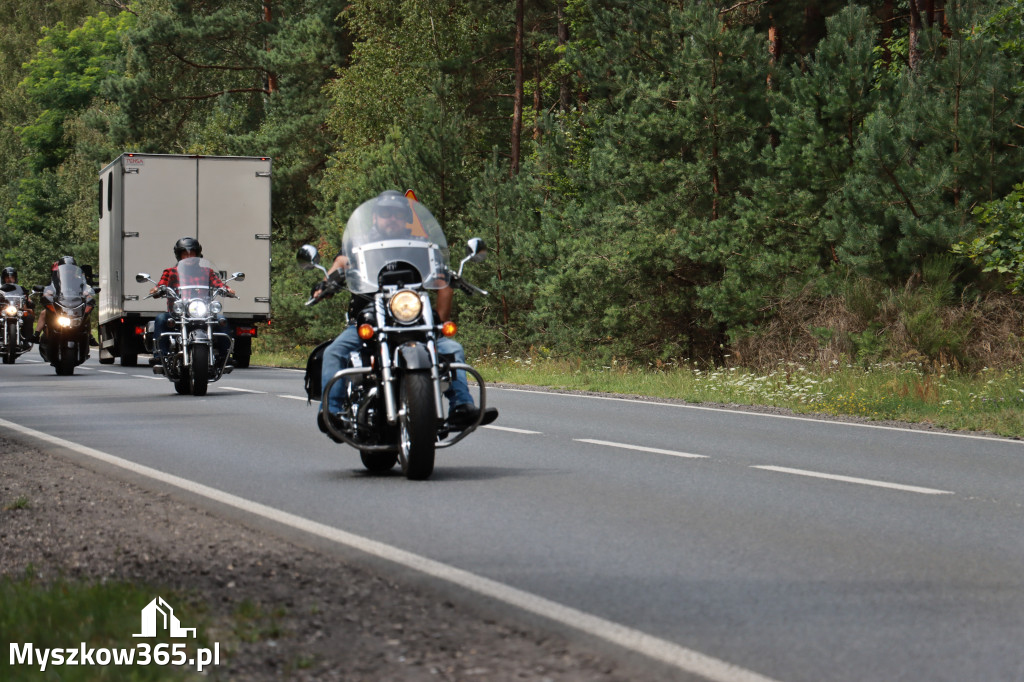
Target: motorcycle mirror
x,y
476,250
142,277
308,257
240,276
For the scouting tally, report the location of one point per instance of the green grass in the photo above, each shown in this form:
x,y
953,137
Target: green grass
x,y
989,400
64,614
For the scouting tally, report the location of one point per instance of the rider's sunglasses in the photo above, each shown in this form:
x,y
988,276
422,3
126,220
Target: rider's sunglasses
x,y
390,213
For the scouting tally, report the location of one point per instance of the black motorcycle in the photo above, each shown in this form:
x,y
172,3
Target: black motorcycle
x,y
68,300
14,311
194,328
393,410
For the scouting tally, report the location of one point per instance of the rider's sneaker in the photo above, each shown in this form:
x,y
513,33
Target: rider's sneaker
x,y
466,415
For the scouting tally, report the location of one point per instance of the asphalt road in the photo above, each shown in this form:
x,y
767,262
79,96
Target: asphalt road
x,y
760,546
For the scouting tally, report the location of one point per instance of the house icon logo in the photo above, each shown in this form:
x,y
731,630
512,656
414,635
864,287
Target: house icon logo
x,y
158,615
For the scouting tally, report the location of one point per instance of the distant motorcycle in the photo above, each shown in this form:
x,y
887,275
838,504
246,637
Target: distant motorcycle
x,y
195,323
13,310
393,410
68,299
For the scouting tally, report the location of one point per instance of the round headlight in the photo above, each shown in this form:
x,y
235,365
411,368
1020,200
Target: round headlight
x,y
10,310
406,306
197,308
216,307
178,307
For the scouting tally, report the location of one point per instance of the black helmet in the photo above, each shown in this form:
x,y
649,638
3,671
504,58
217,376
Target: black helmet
x,y
392,198
187,244
65,260
9,272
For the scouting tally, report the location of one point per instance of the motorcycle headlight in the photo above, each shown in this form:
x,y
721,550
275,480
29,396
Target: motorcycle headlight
x,y
406,306
64,321
10,310
178,307
197,308
216,307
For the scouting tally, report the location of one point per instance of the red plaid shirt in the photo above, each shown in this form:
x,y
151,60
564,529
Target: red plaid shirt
x,y
170,279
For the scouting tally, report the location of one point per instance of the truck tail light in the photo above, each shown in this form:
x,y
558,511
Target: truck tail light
x,y
245,331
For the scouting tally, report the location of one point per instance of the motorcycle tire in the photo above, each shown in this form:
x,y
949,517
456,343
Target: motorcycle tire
x,y
378,462
199,370
416,426
9,357
183,386
65,363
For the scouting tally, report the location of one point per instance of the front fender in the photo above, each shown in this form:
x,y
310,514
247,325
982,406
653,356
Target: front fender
x,y
413,356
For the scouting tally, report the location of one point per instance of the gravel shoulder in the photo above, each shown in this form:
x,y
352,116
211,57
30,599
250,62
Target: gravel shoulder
x,y
334,619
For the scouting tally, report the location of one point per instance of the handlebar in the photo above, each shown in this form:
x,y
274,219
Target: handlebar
x,y
467,287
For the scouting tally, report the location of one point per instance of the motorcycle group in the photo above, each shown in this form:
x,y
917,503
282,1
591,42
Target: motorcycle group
x,y
379,383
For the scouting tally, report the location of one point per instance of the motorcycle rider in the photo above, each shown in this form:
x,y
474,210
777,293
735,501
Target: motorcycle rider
x,y
392,218
9,285
51,290
187,247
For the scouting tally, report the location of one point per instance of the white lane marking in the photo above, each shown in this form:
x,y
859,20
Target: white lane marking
x,y
241,390
851,479
107,371
641,448
687,660
143,376
511,430
293,397
744,413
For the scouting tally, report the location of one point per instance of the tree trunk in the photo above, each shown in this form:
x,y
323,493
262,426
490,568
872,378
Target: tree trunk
x,y
564,97
914,42
517,96
271,79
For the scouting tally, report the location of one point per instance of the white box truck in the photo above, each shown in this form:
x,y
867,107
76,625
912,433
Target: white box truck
x,y
149,201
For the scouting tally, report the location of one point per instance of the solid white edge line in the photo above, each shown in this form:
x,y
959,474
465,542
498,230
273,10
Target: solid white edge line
x,y
921,432
641,448
860,481
241,390
659,649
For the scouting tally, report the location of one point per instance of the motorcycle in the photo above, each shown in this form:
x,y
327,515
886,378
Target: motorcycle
x,y
392,409
68,301
14,311
193,328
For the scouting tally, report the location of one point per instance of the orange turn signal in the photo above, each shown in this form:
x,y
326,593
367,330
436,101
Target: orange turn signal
x,y
449,329
365,332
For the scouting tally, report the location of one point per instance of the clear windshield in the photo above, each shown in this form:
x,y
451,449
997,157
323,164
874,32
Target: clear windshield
x,y
70,286
197,278
402,253
13,294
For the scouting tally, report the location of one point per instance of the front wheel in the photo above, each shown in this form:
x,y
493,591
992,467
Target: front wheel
x,y
417,427
199,371
378,462
66,359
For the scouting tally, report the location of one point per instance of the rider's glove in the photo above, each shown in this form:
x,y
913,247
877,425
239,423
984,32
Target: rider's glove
x,y
318,290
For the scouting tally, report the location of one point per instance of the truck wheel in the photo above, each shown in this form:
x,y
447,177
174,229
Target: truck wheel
x,y
129,350
242,353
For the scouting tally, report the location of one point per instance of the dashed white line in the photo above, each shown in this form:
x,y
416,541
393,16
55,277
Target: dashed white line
x,y
512,430
641,448
107,371
242,390
292,397
852,479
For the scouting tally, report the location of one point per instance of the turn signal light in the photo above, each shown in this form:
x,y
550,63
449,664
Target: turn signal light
x,y
449,329
365,332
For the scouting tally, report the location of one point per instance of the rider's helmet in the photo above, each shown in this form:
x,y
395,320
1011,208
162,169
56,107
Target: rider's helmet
x,y
65,260
187,244
9,276
394,200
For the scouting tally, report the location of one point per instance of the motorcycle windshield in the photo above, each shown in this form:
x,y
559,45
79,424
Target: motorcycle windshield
x,y
13,294
70,286
411,250
197,278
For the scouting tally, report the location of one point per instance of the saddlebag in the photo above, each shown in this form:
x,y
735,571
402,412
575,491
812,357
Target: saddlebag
x,y
314,365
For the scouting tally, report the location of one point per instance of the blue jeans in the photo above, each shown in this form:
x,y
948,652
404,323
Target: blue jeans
x,y
336,359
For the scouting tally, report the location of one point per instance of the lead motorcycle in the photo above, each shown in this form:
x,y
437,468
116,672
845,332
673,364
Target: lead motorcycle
x,y
14,311
69,299
392,409
194,326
